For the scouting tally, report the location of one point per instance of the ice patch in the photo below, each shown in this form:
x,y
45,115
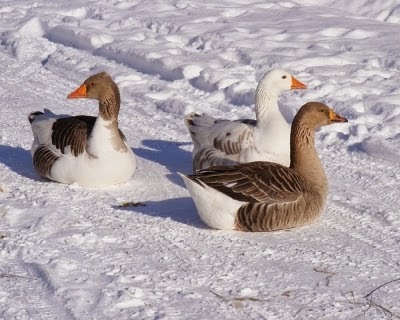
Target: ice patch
x,y
248,292
14,216
231,13
333,32
6,9
140,277
191,71
359,107
129,298
34,27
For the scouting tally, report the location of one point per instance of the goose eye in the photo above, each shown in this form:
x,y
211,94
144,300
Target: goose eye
x,y
283,77
322,110
92,84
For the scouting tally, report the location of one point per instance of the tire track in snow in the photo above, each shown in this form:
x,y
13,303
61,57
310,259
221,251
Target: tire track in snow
x,y
362,188
361,217
35,293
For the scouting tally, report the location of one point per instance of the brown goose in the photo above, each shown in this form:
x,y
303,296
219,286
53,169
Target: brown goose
x,y
90,151
225,142
266,196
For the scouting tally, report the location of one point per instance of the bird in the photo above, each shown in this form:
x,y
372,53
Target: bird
x,y
226,142
86,150
267,196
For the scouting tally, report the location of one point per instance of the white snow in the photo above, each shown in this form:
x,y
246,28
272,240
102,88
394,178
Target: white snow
x,y
68,252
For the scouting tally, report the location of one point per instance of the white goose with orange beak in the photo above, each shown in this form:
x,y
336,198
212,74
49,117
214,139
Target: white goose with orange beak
x,y
226,142
89,151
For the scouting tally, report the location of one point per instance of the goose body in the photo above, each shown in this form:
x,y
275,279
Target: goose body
x,y
90,151
266,196
225,142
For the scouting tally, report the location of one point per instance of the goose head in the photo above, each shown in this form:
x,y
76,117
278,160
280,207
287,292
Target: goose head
x,y
278,80
316,114
99,86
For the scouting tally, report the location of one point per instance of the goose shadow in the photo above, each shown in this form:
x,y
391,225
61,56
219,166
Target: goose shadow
x,y
168,154
18,160
180,209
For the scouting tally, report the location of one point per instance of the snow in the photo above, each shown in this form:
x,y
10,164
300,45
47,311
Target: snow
x,y
68,252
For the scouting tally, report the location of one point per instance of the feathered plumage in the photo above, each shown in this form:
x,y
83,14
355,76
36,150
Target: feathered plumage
x,y
266,196
225,142
90,151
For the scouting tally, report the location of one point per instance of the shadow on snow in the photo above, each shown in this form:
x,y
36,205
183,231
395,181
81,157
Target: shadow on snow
x,y
168,154
18,160
181,210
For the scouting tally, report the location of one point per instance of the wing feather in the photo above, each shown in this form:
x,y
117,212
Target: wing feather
x,y
74,132
43,160
264,182
71,132
231,137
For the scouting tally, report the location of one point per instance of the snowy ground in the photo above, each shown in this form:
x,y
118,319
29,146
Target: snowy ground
x,y
68,252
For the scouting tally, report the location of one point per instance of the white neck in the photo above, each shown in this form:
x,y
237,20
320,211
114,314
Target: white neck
x,y
266,103
267,111
272,131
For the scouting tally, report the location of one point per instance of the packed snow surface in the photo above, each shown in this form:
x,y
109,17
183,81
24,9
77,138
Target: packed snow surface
x,y
139,250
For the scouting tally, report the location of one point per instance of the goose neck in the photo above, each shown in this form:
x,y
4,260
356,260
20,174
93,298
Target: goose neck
x,y
109,104
266,103
304,158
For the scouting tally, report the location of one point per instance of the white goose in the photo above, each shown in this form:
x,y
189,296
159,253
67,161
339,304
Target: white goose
x,y
90,151
266,196
225,142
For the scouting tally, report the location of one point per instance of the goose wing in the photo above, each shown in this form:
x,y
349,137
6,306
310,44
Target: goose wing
x,y
230,137
73,132
263,182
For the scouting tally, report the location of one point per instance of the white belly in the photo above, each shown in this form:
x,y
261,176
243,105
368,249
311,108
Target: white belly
x,y
112,168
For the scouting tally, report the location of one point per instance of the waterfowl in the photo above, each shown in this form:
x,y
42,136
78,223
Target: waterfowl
x,y
225,142
89,151
267,196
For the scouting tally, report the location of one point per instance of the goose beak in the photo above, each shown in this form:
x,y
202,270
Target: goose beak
x,y
334,117
78,93
296,84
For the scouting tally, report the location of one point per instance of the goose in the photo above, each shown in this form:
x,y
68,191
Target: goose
x,y
267,196
225,142
89,151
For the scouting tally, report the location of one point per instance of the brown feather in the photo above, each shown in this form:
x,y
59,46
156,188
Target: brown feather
x,y
43,160
274,196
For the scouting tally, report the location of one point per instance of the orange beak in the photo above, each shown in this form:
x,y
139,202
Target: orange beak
x,y
78,93
334,117
296,84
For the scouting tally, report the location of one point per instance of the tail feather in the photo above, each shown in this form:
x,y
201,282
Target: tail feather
x,y
199,128
201,120
43,160
33,115
214,208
